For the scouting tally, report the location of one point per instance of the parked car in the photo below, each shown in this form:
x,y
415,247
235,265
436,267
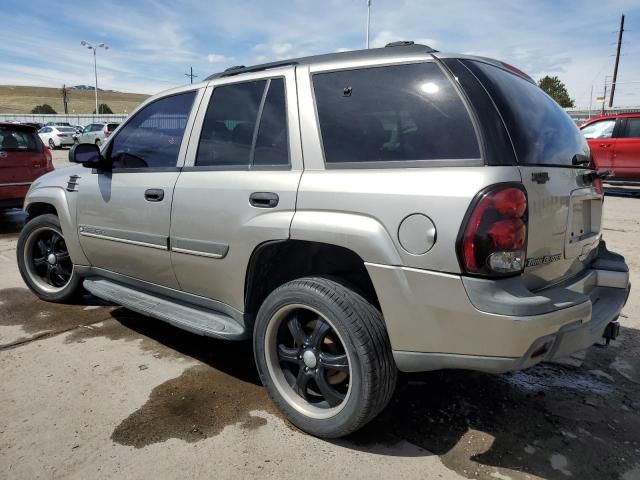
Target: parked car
x,y
96,133
56,137
23,158
615,144
354,214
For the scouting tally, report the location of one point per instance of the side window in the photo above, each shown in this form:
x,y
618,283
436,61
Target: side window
x,y
633,128
272,146
152,138
229,124
601,129
396,113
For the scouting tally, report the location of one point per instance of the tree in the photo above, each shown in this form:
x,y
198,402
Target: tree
x,y
557,90
44,108
104,108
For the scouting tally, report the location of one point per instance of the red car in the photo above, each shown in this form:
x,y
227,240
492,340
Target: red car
x,y
23,158
615,144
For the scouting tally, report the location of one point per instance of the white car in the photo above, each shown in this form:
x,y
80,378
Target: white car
x,y
56,136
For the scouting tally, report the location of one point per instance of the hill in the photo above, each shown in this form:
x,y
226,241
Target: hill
x,y
16,99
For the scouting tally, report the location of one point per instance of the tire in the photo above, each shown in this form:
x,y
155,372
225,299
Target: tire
x,y
98,142
52,144
357,332
60,282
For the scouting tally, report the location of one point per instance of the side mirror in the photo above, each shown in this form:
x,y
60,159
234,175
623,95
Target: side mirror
x,y
88,155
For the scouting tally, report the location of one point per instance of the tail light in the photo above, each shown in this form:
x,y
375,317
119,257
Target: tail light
x,y
49,160
493,241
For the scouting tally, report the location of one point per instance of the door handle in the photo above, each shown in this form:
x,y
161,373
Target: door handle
x,y
154,195
264,199
605,145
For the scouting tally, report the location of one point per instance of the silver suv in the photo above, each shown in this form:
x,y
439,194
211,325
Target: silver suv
x,y
95,133
353,214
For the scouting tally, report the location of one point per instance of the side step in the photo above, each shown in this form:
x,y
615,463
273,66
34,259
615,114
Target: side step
x,y
187,317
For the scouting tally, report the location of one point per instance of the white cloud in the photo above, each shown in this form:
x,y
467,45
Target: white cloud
x,y
216,58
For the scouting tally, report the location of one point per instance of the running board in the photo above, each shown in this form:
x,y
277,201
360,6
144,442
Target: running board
x,y
187,317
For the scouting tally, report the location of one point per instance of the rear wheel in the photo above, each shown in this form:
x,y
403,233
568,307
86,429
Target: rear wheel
x,y
52,144
44,261
324,356
98,142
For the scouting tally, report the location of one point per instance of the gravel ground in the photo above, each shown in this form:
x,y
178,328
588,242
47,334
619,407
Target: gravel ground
x,y
95,391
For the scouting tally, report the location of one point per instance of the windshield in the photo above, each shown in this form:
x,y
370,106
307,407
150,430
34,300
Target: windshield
x,y
541,131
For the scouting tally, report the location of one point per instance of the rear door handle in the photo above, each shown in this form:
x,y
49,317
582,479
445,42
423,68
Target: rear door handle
x,y
154,195
605,145
264,199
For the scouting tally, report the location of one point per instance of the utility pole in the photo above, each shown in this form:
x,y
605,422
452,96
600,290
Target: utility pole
x,y
590,100
190,74
615,69
604,96
65,98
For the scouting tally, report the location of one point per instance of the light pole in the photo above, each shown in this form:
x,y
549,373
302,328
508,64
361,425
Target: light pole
x,y
95,67
368,20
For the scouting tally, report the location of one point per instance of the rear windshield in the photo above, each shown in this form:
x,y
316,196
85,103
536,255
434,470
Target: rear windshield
x,y
396,113
65,129
18,140
541,131
112,126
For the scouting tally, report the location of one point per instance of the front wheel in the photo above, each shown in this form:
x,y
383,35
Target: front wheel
x,y
44,261
323,354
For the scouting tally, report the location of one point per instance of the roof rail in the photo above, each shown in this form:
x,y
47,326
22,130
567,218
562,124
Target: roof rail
x,y
229,72
401,43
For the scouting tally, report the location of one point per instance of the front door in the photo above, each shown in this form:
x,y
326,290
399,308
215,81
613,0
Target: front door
x,y
601,142
238,187
124,214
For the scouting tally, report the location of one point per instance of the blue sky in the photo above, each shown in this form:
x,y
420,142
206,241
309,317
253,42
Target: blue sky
x,y
153,43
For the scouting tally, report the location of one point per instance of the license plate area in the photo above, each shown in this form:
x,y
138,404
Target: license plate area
x,y
583,224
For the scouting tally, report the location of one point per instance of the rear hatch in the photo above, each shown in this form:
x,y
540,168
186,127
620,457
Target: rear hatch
x,y
565,209
22,156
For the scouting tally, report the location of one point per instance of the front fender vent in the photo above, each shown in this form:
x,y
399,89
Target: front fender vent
x,y
72,183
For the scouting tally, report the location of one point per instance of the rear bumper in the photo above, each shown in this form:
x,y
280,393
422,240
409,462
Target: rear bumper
x,y
439,321
12,196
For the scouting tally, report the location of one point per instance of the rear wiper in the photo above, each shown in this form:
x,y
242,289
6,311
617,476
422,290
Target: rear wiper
x,y
579,159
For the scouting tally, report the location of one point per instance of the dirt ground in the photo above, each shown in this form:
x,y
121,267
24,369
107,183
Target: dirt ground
x,y
95,391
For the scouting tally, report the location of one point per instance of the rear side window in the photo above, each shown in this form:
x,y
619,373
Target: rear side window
x,y
245,126
396,113
632,130
541,131
152,138
18,140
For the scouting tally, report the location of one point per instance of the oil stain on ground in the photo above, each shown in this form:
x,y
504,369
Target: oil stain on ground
x,y
20,307
198,404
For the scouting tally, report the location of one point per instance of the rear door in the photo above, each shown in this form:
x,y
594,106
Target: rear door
x,y
238,187
599,135
626,157
564,210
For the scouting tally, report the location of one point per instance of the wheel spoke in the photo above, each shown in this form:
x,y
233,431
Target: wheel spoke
x,y
330,394
39,261
320,331
48,276
286,354
302,380
335,362
42,247
54,239
296,330
62,256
